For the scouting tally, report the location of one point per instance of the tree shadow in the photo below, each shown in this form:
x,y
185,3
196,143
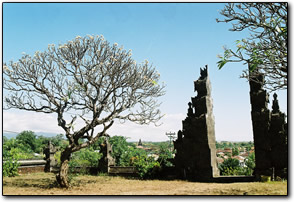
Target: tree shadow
x,y
32,183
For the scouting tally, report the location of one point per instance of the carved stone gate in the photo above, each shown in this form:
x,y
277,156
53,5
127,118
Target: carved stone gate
x,y
195,146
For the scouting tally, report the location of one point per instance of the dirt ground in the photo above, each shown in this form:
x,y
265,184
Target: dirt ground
x,y
44,184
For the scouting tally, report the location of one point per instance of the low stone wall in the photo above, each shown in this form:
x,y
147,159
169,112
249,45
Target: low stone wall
x,y
122,170
31,169
31,166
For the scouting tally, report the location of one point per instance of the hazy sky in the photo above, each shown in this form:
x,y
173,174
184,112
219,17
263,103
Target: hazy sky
x,y
177,38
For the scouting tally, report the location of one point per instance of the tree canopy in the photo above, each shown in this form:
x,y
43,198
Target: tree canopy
x,y
266,49
88,77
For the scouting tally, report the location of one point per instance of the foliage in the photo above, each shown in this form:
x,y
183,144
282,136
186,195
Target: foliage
x,y
164,155
98,81
225,144
22,146
119,147
58,140
57,156
28,139
16,148
84,158
266,47
230,167
235,151
10,164
147,167
10,168
250,164
128,156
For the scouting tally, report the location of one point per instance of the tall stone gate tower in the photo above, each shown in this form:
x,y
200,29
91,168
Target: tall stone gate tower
x,y
269,131
195,146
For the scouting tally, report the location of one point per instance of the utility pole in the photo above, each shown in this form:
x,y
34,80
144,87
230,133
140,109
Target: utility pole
x,y
171,137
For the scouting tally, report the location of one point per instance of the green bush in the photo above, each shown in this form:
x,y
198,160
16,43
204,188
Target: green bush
x,y
28,139
10,168
129,154
119,147
164,155
147,167
84,158
230,167
10,165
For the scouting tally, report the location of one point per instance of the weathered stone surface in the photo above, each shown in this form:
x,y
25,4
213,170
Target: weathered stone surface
x,y
195,147
269,131
51,162
106,160
278,140
260,116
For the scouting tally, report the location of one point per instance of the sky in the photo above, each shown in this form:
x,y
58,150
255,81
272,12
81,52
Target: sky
x,y
177,38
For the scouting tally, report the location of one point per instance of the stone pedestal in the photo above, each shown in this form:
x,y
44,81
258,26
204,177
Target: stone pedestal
x,y
195,147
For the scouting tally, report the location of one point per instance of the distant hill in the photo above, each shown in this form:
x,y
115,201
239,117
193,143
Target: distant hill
x,y
13,135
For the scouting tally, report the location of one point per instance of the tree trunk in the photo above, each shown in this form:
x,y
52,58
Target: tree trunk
x,y
62,175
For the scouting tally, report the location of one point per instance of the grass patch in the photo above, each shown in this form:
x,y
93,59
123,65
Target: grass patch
x,y
45,184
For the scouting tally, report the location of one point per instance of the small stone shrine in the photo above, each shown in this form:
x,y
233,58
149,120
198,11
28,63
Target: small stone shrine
x,y
195,157
269,131
140,143
106,160
51,162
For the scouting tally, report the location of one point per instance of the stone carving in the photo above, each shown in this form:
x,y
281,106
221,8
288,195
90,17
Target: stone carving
x,y
106,160
195,147
51,162
269,131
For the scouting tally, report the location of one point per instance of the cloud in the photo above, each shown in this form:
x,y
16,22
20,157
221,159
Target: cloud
x,y
170,123
38,122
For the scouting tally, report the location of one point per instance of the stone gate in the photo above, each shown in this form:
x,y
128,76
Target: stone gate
x,y
195,157
195,146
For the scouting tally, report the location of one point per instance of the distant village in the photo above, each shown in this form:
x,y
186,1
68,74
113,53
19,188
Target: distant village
x,y
239,151
226,153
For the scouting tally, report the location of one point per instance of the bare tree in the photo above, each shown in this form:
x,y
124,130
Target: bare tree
x,y
90,78
266,47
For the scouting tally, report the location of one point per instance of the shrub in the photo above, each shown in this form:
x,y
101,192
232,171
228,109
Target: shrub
x,y
147,167
84,158
10,165
10,168
230,167
128,156
164,155
119,147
